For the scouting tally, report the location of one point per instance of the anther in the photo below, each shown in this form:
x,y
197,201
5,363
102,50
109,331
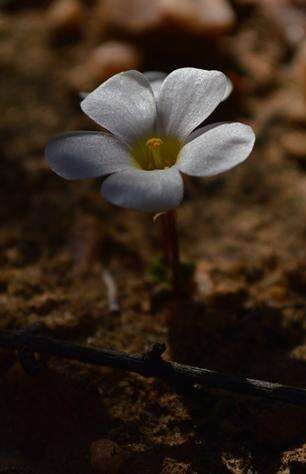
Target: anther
x,y
154,143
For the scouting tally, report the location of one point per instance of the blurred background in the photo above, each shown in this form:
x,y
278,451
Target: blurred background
x,y
244,230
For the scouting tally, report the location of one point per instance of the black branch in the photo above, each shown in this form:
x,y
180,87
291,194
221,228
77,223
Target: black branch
x,y
150,364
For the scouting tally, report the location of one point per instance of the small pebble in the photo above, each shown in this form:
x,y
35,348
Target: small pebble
x,y
299,69
106,457
172,466
198,16
294,144
132,16
103,62
65,18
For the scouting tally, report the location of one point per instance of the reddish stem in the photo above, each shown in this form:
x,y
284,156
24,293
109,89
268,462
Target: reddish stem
x,y
166,239
171,246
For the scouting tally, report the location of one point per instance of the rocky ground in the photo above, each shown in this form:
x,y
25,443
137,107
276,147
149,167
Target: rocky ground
x,y
245,231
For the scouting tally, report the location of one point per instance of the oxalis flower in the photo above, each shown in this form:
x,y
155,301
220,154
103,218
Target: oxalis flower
x,y
151,138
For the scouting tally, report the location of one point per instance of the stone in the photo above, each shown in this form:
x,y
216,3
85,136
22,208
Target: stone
x,y
294,145
103,62
132,16
172,466
198,17
299,70
65,18
289,16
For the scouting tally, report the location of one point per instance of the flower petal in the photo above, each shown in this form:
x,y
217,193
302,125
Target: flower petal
x,y
81,155
151,191
187,97
229,88
217,149
156,79
123,105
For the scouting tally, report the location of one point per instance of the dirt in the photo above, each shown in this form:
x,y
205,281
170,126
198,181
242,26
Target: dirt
x,y
244,230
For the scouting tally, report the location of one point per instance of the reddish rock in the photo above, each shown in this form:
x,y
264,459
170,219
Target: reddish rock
x,y
299,70
133,16
199,16
288,15
103,62
172,466
294,144
65,17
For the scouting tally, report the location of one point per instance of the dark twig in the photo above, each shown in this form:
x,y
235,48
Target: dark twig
x,y
27,359
152,366
28,362
154,352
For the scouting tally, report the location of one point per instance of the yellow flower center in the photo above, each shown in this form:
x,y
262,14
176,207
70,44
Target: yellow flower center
x,y
156,153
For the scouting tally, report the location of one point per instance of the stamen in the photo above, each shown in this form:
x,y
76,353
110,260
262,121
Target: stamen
x,y
156,153
154,143
154,146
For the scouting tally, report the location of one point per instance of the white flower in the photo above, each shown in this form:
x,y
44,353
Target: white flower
x,y
151,140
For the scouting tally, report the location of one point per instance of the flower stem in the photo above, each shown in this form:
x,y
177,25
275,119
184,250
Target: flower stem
x,y
171,249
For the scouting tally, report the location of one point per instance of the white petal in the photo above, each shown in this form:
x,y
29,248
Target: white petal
x,y
187,97
156,79
81,155
123,105
199,131
151,191
229,88
217,149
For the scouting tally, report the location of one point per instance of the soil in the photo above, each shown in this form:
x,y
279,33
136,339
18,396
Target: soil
x,y
244,230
